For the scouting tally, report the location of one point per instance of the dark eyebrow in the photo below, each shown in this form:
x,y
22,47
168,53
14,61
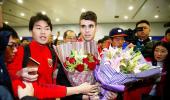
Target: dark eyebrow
x,y
40,25
83,25
37,25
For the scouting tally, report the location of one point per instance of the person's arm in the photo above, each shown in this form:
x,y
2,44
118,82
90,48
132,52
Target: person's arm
x,y
63,80
84,88
57,91
27,92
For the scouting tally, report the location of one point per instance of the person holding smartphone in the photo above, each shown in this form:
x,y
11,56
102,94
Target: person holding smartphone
x,y
43,84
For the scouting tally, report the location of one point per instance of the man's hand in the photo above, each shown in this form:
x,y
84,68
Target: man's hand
x,y
27,91
24,73
111,95
86,88
131,45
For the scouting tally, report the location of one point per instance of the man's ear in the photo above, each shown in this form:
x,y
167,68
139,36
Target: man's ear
x,y
149,30
96,28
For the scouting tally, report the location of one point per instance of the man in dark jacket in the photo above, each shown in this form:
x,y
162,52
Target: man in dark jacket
x,y
143,42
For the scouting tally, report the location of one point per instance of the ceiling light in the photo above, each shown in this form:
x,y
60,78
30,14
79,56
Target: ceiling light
x,y
20,1
6,22
57,19
83,10
22,14
20,38
43,12
156,16
126,17
130,7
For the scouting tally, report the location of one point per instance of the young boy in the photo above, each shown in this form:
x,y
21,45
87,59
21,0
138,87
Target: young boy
x,y
44,87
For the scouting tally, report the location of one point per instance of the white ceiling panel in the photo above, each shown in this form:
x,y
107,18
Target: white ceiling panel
x,y
68,11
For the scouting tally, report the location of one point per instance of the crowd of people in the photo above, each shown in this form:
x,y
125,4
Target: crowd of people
x,y
18,82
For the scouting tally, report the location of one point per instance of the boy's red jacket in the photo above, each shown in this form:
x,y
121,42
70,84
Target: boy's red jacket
x,y
44,87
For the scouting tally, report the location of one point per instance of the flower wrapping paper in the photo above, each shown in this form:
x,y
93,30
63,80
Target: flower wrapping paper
x,y
82,49
108,73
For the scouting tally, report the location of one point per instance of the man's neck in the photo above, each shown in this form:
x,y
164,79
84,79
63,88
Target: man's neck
x,y
143,38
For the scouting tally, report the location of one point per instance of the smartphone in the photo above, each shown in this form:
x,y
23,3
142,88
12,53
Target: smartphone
x,y
32,63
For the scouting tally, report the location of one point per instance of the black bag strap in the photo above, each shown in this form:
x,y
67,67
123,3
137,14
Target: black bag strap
x,y
27,54
53,54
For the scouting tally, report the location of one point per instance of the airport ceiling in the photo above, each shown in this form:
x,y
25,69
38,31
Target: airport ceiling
x,y
18,12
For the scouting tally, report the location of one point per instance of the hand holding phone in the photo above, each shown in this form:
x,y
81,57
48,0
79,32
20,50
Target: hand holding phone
x,y
32,63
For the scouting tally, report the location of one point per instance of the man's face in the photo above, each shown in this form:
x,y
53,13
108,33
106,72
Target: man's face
x,y
11,49
71,37
145,33
88,29
118,41
41,32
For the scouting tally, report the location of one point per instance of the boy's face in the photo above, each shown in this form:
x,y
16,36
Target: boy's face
x,y
41,32
88,29
118,41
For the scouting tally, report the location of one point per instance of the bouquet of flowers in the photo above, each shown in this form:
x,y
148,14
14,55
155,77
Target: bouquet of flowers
x,y
79,60
119,67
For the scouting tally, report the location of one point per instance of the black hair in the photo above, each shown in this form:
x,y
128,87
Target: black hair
x,y
142,21
8,28
24,39
105,38
89,15
100,41
167,31
38,17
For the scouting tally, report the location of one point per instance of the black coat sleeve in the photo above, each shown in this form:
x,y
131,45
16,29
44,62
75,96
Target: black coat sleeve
x,y
63,80
29,98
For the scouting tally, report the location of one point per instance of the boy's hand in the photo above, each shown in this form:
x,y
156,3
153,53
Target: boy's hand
x,y
27,91
86,88
24,73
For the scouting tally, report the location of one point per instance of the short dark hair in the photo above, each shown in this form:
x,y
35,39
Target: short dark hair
x,y
105,38
24,39
65,33
142,21
167,31
100,41
8,28
38,17
89,15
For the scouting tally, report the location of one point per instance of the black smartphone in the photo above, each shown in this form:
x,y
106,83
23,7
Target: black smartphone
x,y
32,63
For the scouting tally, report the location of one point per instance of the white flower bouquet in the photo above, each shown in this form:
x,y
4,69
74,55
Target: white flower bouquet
x,y
119,67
